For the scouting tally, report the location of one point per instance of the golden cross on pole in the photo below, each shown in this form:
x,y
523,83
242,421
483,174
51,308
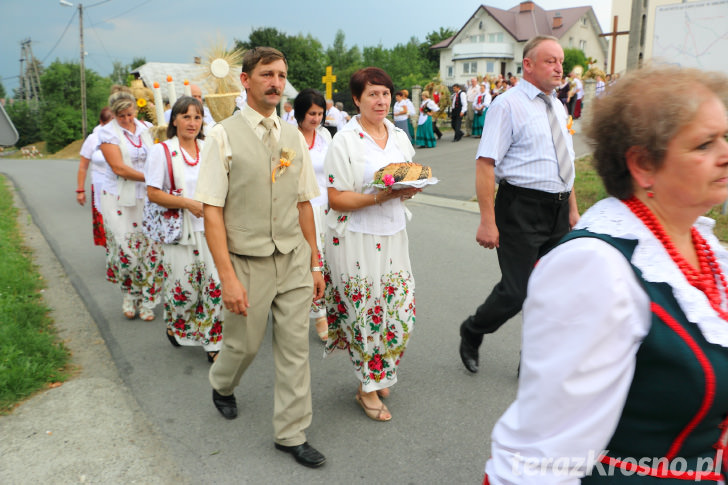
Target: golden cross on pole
x,y
328,80
613,34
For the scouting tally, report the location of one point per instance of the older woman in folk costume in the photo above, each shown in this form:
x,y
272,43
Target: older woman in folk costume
x,y
92,157
309,109
425,136
369,284
192,293
132,259
625,328
440,94
480,106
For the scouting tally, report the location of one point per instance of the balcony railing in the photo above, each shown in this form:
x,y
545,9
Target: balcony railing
x,y
472,50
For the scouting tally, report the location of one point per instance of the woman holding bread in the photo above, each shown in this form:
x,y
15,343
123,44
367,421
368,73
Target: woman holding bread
x,y
369,284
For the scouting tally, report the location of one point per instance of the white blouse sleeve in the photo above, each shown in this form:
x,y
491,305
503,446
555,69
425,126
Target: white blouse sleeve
x,y
583,321
155,170
107,134
89,146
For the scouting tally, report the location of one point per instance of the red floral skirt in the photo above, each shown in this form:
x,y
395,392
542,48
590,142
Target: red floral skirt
x,y
97,222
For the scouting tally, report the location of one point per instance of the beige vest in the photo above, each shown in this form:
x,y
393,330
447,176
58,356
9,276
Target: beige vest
x,y
261,216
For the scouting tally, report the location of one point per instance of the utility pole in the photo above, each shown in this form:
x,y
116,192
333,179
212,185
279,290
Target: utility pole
x,y
34,74
83,74
29,75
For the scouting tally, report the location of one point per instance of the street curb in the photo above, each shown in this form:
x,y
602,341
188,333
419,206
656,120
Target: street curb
x,y
90,429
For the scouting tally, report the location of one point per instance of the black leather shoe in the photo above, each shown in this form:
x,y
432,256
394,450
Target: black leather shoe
x,y
469,349
304,454
227,405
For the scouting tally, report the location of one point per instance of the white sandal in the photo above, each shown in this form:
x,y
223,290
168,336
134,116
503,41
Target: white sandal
x,y
322,328
146,314
128,306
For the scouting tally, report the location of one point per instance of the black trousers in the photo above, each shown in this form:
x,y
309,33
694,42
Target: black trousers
x,y
457,120
435,129
530,223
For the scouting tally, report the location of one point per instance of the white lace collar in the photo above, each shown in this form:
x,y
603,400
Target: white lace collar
x,y
610,216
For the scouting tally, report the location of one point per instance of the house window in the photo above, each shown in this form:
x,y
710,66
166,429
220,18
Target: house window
x,y
470,67
497,37
449,71
582,45
583,21
571,42
481,38
489,66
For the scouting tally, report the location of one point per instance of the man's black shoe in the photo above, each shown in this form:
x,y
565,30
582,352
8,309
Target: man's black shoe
x,y
304,454
469,349
227,405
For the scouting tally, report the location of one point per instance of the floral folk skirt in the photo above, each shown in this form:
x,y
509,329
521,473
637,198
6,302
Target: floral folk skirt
x,y
132,260
425,135
370,303
192,294
97,222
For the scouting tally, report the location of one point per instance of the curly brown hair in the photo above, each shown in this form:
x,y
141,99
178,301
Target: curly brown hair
x,y
645,109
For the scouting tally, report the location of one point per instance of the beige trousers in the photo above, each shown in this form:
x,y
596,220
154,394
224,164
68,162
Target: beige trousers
x,y
280,284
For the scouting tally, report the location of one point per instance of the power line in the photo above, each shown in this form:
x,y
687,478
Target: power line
x,y
126,11
73,15
96,33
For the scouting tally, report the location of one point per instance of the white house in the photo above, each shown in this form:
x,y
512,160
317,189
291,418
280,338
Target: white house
x,y
491,41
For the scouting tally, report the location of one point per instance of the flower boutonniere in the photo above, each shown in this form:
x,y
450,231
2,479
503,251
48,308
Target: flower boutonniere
x,y
287,156
569,125
361,135
174,153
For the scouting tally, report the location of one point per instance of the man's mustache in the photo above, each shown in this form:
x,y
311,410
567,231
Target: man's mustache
x,y
273,91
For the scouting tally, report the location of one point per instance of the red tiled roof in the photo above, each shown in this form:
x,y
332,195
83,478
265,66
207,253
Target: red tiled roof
x,y
524,25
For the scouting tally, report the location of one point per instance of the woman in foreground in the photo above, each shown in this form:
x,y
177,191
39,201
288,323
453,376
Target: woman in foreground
x,y
369,284
192,293
309,110
624,373
132,259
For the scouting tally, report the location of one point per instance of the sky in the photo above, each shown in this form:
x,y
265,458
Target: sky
x,y
176,31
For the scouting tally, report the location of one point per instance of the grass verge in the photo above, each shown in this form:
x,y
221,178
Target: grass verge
x,y
589,189
31,356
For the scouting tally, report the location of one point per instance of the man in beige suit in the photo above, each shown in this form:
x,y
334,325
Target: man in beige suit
x,y
255,182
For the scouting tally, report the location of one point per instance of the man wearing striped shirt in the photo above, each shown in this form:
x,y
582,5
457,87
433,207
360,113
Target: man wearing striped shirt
x,y
526,149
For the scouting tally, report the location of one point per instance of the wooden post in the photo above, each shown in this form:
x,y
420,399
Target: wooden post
x,y
613,34
329,79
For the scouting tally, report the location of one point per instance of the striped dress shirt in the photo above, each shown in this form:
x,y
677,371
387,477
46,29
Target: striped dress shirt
x,y
517,135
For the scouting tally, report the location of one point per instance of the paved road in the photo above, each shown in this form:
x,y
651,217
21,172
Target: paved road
x,y
442,414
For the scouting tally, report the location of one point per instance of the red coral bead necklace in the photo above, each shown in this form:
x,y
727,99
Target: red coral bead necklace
x,y
197,158
132,141
707,276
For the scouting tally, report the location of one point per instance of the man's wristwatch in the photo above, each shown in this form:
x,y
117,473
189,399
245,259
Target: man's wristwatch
x,y
316,268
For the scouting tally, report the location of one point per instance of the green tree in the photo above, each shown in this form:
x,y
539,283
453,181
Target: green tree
x,y
136,62
435,37
2,90
119,72
26,118
304,54
61,114
574,57
344,62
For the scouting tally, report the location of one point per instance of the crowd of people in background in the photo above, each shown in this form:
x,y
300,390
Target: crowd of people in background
x,y
280,215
